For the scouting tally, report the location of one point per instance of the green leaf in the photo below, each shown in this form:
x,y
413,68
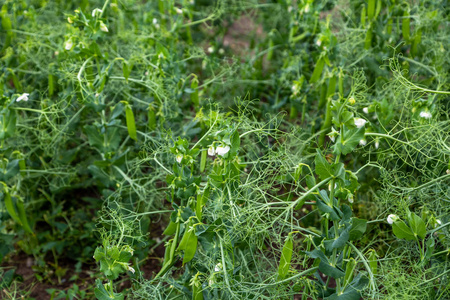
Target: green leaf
x,y
341,240
10,207
349,140
402,231
323,168
358,229
417,225
327,269
102,294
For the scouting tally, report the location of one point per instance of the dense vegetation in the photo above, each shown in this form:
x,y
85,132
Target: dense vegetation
x,y
228,149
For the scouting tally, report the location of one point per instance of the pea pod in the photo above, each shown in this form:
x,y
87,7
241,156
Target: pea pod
x,y
23,216
199,207
171,228
368,40
188,243
131,124
363,16
10,207
286,256
341,83
349,269
389,27
406,26
378,9
317,70
416,42
7,27
323,95
373,262
194,94
293,112
151,118
371,9
197,293
51,86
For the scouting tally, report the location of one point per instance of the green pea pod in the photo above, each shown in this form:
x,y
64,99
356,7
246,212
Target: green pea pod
x,y
11,209
126,70
317,70
131,124
416,42
363,16
7,27
203,161
406,26
341,83
23,216
368,40
191,246
199,207
389,27
373,262
323,95
270,51
194,95
286,256
151,118
349,269
371,9
378,9
197,293
331,87
327,123
170,229
167,256
51,86
293,111
186,236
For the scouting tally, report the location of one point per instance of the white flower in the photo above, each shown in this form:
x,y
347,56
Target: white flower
x,y
221,51
391,219
332,138
56,53
69,19
218,267
360,122
350,198
155,21
211,151
179,11
448,171
377,144
103,27
439,222
222,150
68,45
179,158
210,49
95,11
131,269
366,110
318,43
425,114
23,97
307,8
362,142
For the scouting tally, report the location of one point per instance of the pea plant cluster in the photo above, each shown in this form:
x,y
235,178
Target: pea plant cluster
x,y
193,149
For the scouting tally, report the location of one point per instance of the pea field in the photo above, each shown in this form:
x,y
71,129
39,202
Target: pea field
x,y
225,149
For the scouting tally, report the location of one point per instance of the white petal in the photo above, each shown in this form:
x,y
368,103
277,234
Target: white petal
x,y
222,150
103,27
179,158
366,110
391,219
360,122
362,142
211,151
23,97
425,114
68,45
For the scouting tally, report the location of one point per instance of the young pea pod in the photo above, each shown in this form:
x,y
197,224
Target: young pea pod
x,y
10,207
368,40
293,112
389,27
188,242
151,118
416,42
373,262
341,83
194,94
317,70
286,256
131,123
197,293
371,9
51,85
363,16
23,216
199,207
349,269
406,26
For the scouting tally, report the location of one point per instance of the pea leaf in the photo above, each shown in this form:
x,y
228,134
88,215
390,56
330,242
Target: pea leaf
x,y
350,140
417,225
341,240
358,228
323,168
402,231
102,294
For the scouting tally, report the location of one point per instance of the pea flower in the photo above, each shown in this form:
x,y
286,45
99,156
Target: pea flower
x,y
360,122
179,158
131,269
23,97
391,219
218,267
95,11
351,100
211,151
362,142
377,144
210,49
366,110
222,150
103,27
425,114
68,45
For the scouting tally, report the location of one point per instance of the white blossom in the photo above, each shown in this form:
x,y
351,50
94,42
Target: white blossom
x,y
221,51
366,110
103,27
131,269
360,122
218,267
179,158
95,11
425,114
377,144
210,49
391,219
69,19
439,222
318,43
23,97
68,45
362,142
179,11
222,150
211,151
350,198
